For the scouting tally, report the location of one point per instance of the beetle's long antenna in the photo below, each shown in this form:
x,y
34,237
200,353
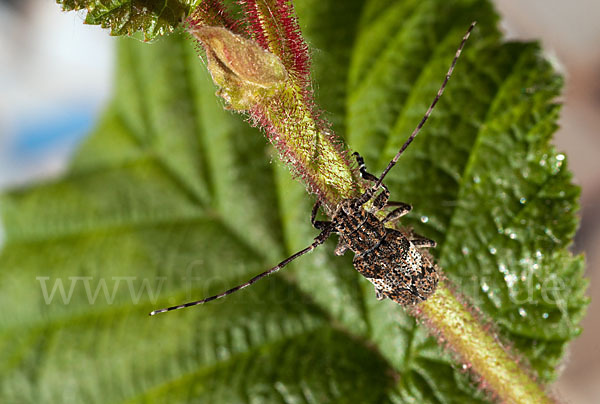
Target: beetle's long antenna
x,y
435,100
320,239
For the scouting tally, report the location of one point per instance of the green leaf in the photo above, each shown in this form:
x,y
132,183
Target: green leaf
x,y
172,199
126,17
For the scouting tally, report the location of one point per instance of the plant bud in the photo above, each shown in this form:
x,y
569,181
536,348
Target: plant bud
x,y
244,71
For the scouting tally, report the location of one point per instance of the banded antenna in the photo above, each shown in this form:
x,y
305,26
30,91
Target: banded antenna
x,y
429,110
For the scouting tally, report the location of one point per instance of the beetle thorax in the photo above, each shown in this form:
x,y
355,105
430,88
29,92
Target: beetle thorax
x,y
359,228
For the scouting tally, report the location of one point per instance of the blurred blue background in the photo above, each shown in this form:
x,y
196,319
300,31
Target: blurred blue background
x,y
55,76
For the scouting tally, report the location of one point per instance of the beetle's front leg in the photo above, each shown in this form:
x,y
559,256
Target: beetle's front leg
x,y
318,224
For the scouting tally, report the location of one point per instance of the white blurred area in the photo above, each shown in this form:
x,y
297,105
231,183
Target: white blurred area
x,y
55,77
56,74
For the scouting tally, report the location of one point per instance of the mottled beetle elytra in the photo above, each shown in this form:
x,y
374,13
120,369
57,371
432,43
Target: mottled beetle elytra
x,y
391,260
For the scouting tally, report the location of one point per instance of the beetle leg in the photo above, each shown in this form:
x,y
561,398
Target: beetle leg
x,y
379,294
318,224
420,241
341,247
401,210
382,199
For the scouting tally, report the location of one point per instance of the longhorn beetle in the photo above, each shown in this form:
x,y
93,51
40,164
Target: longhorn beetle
x,y
386,257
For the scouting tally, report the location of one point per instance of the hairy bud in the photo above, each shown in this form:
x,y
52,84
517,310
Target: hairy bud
x,y
246,73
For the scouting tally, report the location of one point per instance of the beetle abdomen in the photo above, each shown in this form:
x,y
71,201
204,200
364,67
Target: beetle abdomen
x,y
398,269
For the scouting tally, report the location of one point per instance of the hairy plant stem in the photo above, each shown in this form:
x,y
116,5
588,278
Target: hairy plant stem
x,y
311,150
479,351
